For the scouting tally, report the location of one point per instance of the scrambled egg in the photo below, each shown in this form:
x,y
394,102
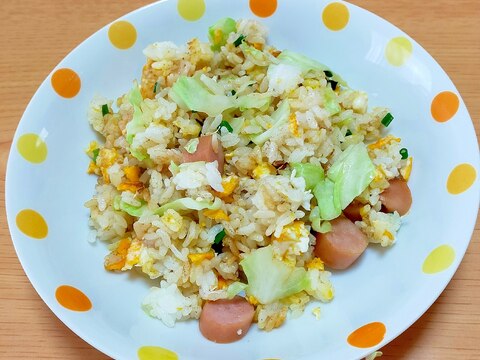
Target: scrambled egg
x,y
316,263
172,219
293,125
297,235
382,142
262,170
216,214
198,258
106,158
408,169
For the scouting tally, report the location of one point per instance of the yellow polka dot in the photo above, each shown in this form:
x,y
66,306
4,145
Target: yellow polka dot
x,y
32,224
66,83
191,10
461,178
444,106
32,148
122,34
335,16
439,259
72,299
155,353
398,51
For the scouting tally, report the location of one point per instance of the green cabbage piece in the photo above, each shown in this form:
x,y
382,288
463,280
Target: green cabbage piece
x,y
331,101
185,204
279,118
190,93
218,32
138,123
250,50
316,221
270,279
306,64
347,178
254,101
328,207
235,288
136,211
311,173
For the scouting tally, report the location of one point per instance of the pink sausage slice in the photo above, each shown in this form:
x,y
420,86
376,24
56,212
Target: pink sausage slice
x,y
207,151
225,321
397,197
340,247
352,211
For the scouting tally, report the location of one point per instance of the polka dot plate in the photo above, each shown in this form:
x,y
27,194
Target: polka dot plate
x,y
377,299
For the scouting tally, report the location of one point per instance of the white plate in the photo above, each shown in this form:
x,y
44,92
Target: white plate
x,y
389,287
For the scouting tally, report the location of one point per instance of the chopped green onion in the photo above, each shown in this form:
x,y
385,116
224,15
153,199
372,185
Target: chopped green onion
x,y
194,112
233,92
217,245
348,133
155,88
226,125
333,84
219,237
97,151
387,119
105,109
239,40
328,73
404,153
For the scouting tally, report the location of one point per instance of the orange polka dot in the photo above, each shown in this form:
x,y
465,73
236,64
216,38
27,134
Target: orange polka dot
x,y
191,10
66,82
155,353
263,8
122,34
368,335
72,298
444,106
335,16
32,148
461,178
32,224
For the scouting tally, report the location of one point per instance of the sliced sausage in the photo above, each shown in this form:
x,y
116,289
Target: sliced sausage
x,y
208,150
352,211
225,321
340,247
397,197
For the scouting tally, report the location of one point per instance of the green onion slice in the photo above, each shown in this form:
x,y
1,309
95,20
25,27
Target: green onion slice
x,y
239,40
226,125
219,237
105,109
387,119
404,153
95,155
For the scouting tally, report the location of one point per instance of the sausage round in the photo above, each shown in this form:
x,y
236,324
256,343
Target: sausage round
x,y
208,150
340,247
225,321
352,211
397,197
